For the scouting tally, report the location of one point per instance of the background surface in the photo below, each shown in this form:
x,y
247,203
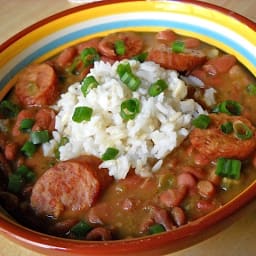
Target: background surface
x,y
239,239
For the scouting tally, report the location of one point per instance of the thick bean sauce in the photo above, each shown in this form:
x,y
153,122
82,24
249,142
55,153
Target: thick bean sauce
x,y
77,199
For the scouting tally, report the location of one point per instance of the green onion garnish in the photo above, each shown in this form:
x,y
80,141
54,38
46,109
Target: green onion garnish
x,y
202,121
251,89
178,46
156,228
39,137
157,87
26,173
123,68
110,154
229,107
141,57
130,108
119,47
131,81
28,149
242,131
89,55
26,124
227,127
9,109
82,114
72,68
229,168
15,183
88,83
80,230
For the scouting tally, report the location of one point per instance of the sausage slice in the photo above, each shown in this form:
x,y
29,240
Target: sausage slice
x,y
72,185
37,85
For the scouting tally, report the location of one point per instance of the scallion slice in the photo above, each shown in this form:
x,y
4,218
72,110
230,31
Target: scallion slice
x,y
123,68
141,57
251,89
229,107
26,173
39,137
242,131
202,121
229,168
156,228
120,47
88,83
26,124
131,81
130,108
8,109
82,114
178,46
28,149
110,154
89,55
157,87
80,230
227,127
15,183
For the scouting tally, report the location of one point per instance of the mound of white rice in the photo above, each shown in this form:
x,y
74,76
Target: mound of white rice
x,y
162,124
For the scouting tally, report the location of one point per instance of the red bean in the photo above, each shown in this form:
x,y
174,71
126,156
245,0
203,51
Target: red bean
x,y
99,234
179,216
206,189
186,179
173,197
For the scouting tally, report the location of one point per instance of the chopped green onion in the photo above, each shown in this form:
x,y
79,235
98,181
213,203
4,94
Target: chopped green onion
x,y
9,109
242,131
72,68
123,68
89,55
80,230
141,57
119,47
28,149
63,141
26,124
178,46
39,137
15,183
88,83
30,177
251,89
130,108
26,173
202,121
229,107
156,228
110,154
229,168
82,114
132,81
157,87
227,127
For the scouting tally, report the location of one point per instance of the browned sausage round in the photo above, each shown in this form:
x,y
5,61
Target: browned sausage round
x,y
69,186
185,61
37,85
66,57
213,143
44,120
133,44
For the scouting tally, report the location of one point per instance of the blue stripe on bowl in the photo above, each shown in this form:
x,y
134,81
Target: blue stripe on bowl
x,y
127,24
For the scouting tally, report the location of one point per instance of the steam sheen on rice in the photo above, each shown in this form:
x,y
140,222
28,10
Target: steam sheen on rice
x,y
163,123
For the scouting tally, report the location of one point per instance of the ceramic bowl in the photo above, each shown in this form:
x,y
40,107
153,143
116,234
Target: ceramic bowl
x,y
214,25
